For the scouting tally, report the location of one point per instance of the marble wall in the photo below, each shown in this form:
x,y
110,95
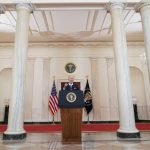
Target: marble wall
x,y
95,60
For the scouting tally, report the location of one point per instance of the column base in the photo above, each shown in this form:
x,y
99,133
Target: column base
x,y
14,136
128,135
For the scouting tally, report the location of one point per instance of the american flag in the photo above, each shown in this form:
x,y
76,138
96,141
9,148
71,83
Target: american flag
x,y
53,100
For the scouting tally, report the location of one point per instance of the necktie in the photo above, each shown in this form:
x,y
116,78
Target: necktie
x,y
70,86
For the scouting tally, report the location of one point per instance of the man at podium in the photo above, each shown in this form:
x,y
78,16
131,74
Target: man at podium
x,y
71,102
70,85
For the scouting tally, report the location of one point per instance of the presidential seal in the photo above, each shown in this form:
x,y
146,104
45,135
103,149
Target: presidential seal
x,y
70,67
71,97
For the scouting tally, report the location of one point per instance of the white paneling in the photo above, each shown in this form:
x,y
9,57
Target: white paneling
x,y
95,115
106,26
50,20
33,25
89,19
69,21
129,16
28,91
46,91
125,13
112,89
37,90
40,21
131,28
101,93
10,18
134,25
5,24
100,19
51,60
70,25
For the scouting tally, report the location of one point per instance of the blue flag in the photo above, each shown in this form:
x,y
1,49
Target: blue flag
x,y
88,98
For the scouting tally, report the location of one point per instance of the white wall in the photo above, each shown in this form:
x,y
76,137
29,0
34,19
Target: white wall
x,y
95,60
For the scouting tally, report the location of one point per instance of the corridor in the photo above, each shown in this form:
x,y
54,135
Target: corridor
x,y
90,141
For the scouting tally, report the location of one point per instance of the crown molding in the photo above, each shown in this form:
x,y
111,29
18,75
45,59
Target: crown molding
x,y
70,44
61,1
64,4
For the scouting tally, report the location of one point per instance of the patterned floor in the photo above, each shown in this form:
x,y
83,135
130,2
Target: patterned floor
x,y
90,141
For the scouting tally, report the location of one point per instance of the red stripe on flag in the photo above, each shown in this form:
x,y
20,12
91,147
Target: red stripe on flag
x,y
54,103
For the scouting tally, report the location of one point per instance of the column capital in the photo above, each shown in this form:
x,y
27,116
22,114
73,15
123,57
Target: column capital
x,y
24,6
142,4
114,4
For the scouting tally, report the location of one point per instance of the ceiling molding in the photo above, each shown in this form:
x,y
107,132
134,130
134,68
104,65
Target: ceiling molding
x,y
71,44
62,5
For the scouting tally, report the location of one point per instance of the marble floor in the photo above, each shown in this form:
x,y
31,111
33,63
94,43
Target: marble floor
x,y
90,141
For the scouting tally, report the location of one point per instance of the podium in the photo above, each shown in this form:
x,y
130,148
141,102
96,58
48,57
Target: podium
x,y
71,103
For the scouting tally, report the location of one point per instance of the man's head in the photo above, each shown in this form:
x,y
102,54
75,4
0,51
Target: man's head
x,y
71,79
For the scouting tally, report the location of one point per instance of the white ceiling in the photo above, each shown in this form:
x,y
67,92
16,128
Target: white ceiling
x,y
71,25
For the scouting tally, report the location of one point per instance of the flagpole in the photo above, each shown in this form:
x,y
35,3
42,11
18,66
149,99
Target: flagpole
x,y
53,120
53,114
53,102
88,100
87,77
88,119
53,78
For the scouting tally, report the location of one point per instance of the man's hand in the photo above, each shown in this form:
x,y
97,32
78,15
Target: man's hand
x,y
65,85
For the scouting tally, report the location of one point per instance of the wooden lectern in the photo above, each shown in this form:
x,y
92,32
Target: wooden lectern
x,y
71,103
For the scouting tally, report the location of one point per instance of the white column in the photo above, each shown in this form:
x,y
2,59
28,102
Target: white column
x,y
144,9
127,127
15,130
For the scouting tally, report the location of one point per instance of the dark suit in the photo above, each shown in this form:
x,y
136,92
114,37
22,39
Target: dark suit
x,y
68,87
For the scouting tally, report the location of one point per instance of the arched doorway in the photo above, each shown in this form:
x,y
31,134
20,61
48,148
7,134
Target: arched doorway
x,y
138,92
5,90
